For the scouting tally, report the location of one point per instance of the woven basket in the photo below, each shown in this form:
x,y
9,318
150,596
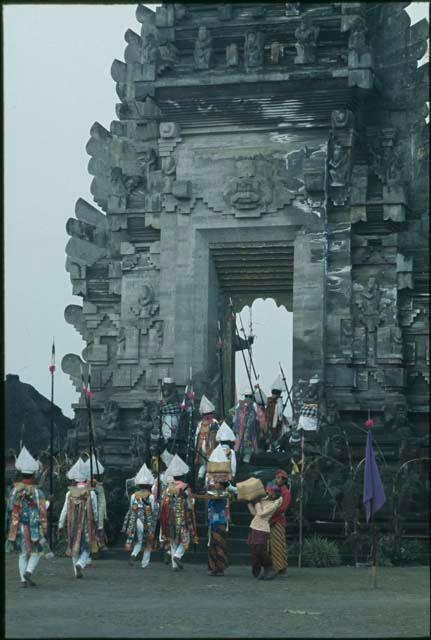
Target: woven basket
x,y
250,489
218,467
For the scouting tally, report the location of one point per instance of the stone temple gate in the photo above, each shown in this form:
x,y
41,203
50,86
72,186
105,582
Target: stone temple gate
x,y
261,150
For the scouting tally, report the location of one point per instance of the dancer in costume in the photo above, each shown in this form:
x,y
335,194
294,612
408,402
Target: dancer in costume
x,y
97,484
177,516
170,410
205,436
262,507
246,427
79,513
226,437
26,519
277,538
219,493
141,520
274,413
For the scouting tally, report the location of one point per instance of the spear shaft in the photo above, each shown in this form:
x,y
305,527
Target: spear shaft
x,y
243,357
51,457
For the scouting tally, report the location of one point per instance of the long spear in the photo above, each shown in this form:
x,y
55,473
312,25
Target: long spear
x,y
252,367
242,353
289,398
220,355
51,457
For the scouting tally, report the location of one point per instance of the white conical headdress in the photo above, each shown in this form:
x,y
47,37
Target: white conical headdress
x,y
25,462
225,433
78,471
278,384
98,468
166,457
144,476
177,467
218,455
261,396
206,406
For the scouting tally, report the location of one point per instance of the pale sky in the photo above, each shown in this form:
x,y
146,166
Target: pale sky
x,y
57,83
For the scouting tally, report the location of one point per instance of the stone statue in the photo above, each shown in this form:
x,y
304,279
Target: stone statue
x,y
110,420
168,56
169,169
203,49
149,49
357,36
253,50
119,191
276,52
292,8
232,58
339,165
372,305
306,36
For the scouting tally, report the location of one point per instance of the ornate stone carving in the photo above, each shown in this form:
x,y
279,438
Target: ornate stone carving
x,y
247,191
167,58
306,35
232,58
276,52
372,304
253,50
203,49
340,155
292,8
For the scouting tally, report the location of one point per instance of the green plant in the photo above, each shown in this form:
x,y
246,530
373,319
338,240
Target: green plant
x,y
320,552
407,552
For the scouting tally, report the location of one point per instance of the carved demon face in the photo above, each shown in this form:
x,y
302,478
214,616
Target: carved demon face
x,y
246,190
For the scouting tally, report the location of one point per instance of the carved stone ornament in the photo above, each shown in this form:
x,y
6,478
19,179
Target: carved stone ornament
x,y
247,191
253,50
306,35
292,8
203,49
372,304
276,52
232,58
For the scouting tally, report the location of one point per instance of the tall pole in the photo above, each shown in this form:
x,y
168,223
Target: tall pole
x,y
301,501
252,367
51,447
220,355
374,551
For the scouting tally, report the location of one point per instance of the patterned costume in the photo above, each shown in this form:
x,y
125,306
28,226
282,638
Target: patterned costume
x,y
246,428
205,436
177,515
141,519
140,524
170,410
226,437
79,513
277,541
258,537
98,470
26,520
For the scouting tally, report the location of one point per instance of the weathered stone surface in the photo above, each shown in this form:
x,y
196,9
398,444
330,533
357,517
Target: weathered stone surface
x,y
266,150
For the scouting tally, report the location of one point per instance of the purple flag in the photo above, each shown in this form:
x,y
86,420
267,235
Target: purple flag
x,y
374,494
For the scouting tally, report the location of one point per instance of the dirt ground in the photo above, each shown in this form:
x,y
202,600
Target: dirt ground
x,y
114,600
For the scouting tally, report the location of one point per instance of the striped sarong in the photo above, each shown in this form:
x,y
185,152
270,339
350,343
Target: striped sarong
x,y
217,550
277,547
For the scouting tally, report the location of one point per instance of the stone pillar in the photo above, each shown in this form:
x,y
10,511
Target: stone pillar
x,y
309,305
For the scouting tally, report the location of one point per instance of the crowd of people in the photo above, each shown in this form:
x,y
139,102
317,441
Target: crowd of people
x,y
161,513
